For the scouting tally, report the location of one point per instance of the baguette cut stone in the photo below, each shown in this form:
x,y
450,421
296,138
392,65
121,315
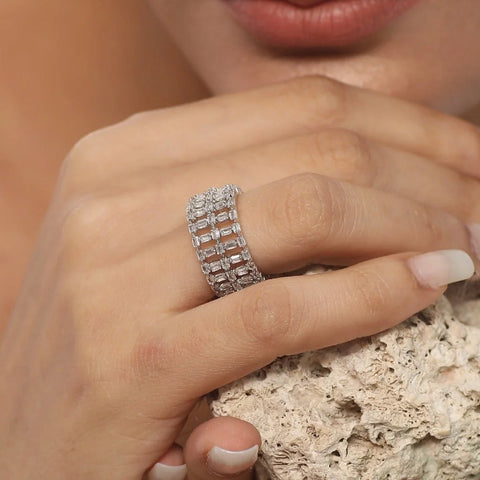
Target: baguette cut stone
x,y
206,237
215,266
203,223
231,244
237,258
225,231
222,217
215,233
209,252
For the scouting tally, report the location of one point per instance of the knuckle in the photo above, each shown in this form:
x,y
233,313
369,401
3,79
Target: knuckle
x,y
431,225
372,292
84,159
322,97
308,209
267,313
349,153
82,228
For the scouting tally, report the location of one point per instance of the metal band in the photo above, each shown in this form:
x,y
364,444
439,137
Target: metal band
x,y
219,242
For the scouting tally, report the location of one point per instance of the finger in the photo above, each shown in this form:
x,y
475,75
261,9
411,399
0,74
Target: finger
x,y
239,333
335,153
303,105
170,467
223,446
307,219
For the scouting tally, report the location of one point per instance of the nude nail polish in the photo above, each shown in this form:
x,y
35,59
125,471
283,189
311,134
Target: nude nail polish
x,y
437,269
228,462
160,471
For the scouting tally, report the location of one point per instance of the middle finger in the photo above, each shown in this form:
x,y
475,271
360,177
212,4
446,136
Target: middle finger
x,y
336,153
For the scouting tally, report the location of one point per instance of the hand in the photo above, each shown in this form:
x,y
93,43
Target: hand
x,y
114,337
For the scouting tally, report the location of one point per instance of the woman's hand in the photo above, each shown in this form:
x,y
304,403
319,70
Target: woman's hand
x,y
114,337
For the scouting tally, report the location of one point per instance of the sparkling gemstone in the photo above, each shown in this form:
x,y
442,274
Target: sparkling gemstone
x,y
215,266
200,203
226,288
245,280
230,245
211,219
195,241
241,241
220,205
236,228
231,276
220,248
200,213
215,233
209,252
206,237
251,266
242,270
237,258
222,217
218,195
191,216
206,268
225,231
192,228
203,223
246,255
220,277
225,263
232,214
201,255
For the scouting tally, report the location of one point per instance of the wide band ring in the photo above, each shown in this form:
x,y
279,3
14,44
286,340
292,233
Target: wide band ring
x,y
218,240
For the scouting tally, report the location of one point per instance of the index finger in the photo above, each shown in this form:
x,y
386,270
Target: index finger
x,y
303,105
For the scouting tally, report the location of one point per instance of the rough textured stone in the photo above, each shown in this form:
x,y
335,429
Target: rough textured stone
x,y
401,405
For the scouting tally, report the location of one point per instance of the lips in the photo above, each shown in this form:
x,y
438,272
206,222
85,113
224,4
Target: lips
x,y
315,23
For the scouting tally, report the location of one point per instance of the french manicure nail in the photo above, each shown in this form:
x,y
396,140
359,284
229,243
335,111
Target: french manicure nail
x,y
436,269
474,229
229,462
160,471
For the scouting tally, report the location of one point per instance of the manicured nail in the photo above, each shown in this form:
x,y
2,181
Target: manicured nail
x,y
436,269
228,462
474,229
160,471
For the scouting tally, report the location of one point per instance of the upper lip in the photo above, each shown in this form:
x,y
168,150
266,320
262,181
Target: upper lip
x,y
305,3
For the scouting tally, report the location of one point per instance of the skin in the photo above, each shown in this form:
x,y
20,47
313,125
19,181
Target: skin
x,y
429,55
262,68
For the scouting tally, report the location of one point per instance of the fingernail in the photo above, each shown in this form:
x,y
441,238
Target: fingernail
x,y
160,471
474,229
436,269
228,461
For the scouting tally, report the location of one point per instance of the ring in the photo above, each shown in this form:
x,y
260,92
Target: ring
x,y
218,240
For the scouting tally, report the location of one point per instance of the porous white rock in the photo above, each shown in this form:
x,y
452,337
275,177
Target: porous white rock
x,y
400,405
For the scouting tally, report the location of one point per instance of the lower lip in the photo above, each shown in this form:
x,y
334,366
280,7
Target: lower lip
x,y
333,23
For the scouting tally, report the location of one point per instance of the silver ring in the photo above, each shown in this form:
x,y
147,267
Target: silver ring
x,y
218,240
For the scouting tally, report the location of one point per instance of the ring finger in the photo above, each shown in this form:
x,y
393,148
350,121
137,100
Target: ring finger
x,y
306,219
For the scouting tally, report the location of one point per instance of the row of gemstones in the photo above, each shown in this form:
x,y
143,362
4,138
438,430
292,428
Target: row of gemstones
x,y
206,203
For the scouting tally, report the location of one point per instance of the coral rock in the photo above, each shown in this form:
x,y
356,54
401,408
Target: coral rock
x,y
403,404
